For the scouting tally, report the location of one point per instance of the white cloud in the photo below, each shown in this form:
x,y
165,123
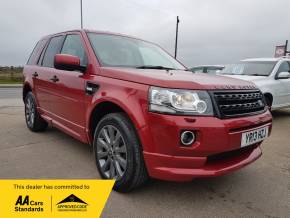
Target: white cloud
x,y
211,32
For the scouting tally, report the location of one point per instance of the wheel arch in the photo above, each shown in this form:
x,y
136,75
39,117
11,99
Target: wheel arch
x,y
26,88
103,108
269,96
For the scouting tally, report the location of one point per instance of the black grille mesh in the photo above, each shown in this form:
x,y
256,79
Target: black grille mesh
x,y
239,103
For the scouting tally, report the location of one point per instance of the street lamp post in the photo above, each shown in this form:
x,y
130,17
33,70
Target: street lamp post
x,y
81,14
286,48
176,37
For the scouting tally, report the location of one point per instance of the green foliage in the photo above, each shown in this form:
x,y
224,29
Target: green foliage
x,y
11,75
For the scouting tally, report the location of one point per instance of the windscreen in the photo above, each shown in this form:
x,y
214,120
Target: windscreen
x,y
120,51
250,68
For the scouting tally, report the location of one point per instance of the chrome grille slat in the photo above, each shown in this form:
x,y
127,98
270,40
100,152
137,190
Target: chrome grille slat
x,y
239,103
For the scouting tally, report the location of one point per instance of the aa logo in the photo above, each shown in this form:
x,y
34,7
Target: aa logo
x,y
25,204
22,200
72,203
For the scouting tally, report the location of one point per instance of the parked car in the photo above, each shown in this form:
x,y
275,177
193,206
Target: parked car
x,y
144,114
271,75
210,69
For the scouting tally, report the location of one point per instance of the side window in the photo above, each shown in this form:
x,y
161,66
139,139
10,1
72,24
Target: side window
x,y
52,49
284,67
36,52
73,46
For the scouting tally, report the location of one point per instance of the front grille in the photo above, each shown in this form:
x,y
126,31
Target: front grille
x,y
231,154
239,103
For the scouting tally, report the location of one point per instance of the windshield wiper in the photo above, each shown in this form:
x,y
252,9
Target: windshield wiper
x,y
154,67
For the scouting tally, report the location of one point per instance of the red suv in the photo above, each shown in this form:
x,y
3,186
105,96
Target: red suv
x,y
143,112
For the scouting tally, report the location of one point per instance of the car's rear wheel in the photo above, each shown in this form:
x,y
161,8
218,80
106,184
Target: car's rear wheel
x,y
118,152
33,120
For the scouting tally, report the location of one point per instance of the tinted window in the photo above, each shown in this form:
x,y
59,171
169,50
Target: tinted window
x,y
36,52
52,49
284,67
73,46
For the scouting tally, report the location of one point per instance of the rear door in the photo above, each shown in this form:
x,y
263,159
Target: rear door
x,y
32,69
69,109
45,86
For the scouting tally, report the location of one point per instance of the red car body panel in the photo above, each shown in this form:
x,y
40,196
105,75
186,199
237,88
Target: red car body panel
x,y
166,156
66,105
172,78
178,169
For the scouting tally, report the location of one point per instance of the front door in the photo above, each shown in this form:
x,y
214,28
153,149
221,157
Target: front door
x,y
69,109
283,86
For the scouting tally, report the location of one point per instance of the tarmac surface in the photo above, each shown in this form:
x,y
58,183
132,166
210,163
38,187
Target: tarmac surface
x,y
261,189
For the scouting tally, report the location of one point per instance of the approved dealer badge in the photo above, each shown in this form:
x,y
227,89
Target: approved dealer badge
x,y
53,198
72,203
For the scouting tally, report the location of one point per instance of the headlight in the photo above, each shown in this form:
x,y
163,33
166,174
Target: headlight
x,y
179,101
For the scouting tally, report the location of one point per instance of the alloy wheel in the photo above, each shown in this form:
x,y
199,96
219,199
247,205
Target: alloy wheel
x,y
111,152
29,112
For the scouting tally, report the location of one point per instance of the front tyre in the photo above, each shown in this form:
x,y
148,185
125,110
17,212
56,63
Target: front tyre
x,y
118,152
268,102
33,120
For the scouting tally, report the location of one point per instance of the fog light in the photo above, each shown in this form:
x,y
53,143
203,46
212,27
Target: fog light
x,y
187,138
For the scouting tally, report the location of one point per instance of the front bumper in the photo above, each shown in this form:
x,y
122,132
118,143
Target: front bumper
x,y
166,159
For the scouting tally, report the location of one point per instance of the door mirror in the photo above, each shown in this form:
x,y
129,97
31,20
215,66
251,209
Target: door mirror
x,y
68,62
283,75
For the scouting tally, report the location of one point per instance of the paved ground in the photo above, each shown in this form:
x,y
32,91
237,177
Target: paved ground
x,y
10,93
259,190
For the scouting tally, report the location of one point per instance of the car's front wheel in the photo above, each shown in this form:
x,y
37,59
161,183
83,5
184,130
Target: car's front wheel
x,y
118,152
33,120
268,102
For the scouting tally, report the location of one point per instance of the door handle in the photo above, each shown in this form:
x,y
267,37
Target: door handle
x,y
35,75
54,79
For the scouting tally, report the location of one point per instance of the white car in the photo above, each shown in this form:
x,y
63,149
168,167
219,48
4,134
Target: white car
x,y
271,75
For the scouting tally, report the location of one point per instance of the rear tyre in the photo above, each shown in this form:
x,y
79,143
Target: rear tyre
x,y
33,120
118,152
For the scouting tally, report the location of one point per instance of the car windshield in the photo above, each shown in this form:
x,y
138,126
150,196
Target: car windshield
x,y
121,51
250,68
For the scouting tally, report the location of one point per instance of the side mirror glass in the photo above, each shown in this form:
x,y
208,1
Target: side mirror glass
x,y
68,62
283,75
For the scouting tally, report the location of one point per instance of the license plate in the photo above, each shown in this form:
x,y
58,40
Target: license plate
x,y
254,136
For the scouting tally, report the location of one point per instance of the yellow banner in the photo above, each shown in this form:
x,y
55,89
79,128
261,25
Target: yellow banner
x,y
53,198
